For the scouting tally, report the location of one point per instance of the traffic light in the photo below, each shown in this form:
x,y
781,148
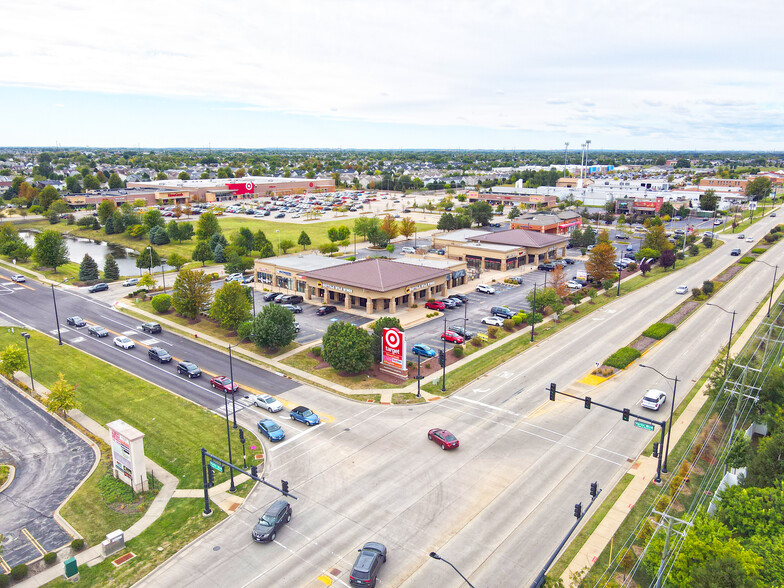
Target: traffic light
x,y
552,391
210,478
594,489
578,510
626,414
588,402
254,471
656,449
441,358
284,485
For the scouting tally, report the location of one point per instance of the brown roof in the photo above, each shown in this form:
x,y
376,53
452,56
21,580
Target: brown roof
x,y
379,275
521,238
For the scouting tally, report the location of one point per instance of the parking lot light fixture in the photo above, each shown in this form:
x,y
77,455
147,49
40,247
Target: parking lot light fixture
x,y
773,285
729,343
29,364
672,409
434,555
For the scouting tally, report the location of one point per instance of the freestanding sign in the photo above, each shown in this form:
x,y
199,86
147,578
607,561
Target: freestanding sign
x,y
128,461
393,349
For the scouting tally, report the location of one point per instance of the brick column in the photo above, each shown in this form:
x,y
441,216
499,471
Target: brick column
x,y
369,305
392,305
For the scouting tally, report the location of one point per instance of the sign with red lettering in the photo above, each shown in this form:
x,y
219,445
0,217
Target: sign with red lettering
x,y
242,188
393,348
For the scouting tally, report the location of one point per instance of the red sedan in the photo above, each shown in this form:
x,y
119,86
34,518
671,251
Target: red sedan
x,y
224,384
444,438
435,305
451,337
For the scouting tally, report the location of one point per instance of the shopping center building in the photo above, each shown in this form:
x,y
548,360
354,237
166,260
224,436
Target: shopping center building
x,y
223,190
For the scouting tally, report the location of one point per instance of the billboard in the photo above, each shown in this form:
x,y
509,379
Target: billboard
x,y
242,188
393,348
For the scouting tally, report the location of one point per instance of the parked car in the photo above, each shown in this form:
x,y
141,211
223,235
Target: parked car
x,y
18,278
368,564
97,331
546,267
568,260
457,301
448,303
131,282
233,278
124,342
574,285
159,354
423,350
271,521
681,289
247,280
464,333
292,308
280,215
75,321
502,311
653,399
444,438
271,430
269,296
485,289
151,328
188,368
493,320
435,305
291,299
325,310
408,250
224,384
462,297
268,403
99,287
304,415
451,337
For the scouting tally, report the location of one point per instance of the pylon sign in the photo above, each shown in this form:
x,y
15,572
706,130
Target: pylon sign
x,y
393,348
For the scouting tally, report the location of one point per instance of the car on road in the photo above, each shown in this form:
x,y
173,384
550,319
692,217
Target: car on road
x,y
435,305
75,321
452,337
629,248
124,342
233,278
18,278
304,415
464,333
749,240
268,403
99,287
772,215
131,282
449,303
485,289
462,297
292,308
368,564
568,260
653,399
224,384
444,438
742,236
159,354
97,331
502,311
546,267
423,350
271,430
493,320
574,285
151,328
278,514
681,289
735,251
325,310
188,368
717,222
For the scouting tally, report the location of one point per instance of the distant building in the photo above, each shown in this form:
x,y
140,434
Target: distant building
x,y
209,190
525,198
723,183
560,223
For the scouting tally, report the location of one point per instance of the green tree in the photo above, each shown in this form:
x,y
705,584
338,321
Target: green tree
x,y
757,189
161,176
363,225
148,258
218,239
115,181
88,270
387,322
481,213
347,348
72,185
105,210
176,261
378,237
218,254
173,231
50,250
207,226
589,237
286,244
47,196
447,222
258,240
273,327
91,182
59,206
111,271
267,250
766,466
146,281
231,306
600,265
191,293
656,238
245,236
186,231
161,303
62,397
183,175
544,297
153,218
202,252
13,359
682,162
237,264
303,240
708,200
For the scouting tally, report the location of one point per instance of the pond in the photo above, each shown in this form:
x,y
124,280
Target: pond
x,y
98,250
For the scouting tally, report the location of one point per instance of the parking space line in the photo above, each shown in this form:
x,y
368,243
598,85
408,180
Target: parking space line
x,y
33,540
4,566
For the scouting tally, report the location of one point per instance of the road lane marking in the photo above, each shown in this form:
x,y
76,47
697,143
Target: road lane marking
x,y
33,540
484,404
295,554
4,565
290,439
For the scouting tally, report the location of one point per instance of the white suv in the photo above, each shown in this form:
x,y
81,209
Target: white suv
x,y
485,288
408,250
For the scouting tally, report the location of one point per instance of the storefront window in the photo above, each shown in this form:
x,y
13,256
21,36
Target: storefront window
x,y
264,278
283,282
492,264
301,286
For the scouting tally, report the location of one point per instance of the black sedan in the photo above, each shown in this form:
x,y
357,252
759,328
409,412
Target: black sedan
x,y
269,296
75,321
97,331
188,368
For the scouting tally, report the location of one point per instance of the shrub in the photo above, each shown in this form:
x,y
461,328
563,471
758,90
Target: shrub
x,y
658,330
696,292
492,331
680,255
352,258
694,251
19,572
458,351
745,260
509,324
759,250
517,320
623,357
70,219
50,558
414,305
707,287
769,238
77,544
316,351
476,342
632,267
161,303
4,580
607,284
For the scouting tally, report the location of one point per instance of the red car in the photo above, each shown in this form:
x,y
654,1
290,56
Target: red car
x,y
435,305
444,438
224,384
451,337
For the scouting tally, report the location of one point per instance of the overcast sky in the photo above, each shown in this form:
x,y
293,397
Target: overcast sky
x,y
686,74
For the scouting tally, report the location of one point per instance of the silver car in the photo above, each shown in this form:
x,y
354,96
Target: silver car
x,y
267,402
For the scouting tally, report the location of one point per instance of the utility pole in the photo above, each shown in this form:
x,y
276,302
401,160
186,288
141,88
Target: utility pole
x,y
666,552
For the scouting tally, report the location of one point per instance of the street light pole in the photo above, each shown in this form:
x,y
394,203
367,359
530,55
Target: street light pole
x,y
443,378
672,409
533,315
228,438
56,319
773,285
278,232
434,555
233,392
29,364
149,248
729,343
163,275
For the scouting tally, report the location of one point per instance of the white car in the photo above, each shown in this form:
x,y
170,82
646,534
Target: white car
x,y
267,402
124,342
18,278
749,240
572,285
653,399
493,320
485,288
681,289
131,282
409,250
233,278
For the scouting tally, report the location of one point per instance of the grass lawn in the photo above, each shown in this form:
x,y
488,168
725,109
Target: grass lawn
x,y
5,471
107,393
358,382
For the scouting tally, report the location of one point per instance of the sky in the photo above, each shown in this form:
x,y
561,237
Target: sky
x,y
666,75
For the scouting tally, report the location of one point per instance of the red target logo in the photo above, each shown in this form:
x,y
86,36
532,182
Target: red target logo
x,y
393,348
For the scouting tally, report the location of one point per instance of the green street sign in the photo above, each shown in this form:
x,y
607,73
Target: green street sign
x,y
218,467
641,424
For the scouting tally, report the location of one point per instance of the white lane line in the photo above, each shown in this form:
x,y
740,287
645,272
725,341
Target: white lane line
x,y
290,439
483,404
297,555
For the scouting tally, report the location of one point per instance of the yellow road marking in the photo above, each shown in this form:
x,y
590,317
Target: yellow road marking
x,y
592,380
325,580
6,568
33,540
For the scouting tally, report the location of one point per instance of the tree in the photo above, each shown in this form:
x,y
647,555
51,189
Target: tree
x,y
176,261
766,466
59,206
589,237
217,239
111,271
258,240
202,252
645,267
286,244
682,162
481,213
600,265
50,250
158,236
105,210
146,281
231,305
667,209
389,226
407,227
387,322
656,238
266,250
378,237
173,231
328,248
186,231
218,254
363,225
183,175
303,240
667,258
161,303
62,397
273,327
558,279
191,293
544,297
72,185
161,176
91,182
88,270
47,196
756,189
347,348
12,360
708,200
153,218
115,181
144,260
513,213
245,237
207,226
447,222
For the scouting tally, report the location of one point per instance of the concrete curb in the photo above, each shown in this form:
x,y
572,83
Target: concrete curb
x,y
10,478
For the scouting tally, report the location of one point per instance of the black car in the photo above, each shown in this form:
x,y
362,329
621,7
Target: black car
x,y
568,260
76,321
269,296
462,297
151,328
100,287
276,516
97,331
324,310
159,354
464,333
188,368
368,564
547,267
279,298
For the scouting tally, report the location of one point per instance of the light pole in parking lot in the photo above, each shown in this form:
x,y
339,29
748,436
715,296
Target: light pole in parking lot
x,y
56,320
672,408
434,555
233,392
163,276
29,364
773,285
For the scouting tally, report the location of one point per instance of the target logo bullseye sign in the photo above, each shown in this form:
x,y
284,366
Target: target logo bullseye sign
x,y
393,348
